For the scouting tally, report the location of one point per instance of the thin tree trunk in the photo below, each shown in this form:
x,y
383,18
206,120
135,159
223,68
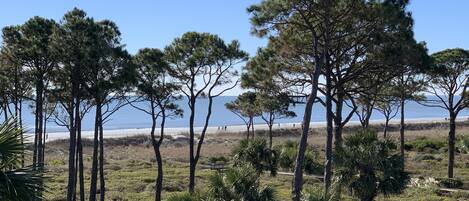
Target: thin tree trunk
x,y
20,120
39,128
252,127
159,161
81,177
451,139
202,136
298,174
71,155
338,121
386,125
329,117
94,165
401,129
270,136
102,183
192,162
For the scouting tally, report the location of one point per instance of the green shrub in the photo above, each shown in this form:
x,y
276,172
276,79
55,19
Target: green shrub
x,y
218,160
424,144
287,156
185,196
450,182
257,153
463,144
368,166
239,183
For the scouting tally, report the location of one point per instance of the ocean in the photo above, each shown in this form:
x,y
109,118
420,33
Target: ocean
x,y
130,118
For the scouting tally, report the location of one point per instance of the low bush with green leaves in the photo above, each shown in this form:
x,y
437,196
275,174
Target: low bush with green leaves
x,y
463,144
424,144
16,182
450,182
239,183
256,152
368,166
287,156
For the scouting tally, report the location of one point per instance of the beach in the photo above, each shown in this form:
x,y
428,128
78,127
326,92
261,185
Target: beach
x,y
179,132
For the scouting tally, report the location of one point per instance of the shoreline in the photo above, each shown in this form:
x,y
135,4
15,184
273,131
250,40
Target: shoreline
x,y
181,131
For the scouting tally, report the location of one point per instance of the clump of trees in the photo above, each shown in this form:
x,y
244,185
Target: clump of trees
x,y
357,54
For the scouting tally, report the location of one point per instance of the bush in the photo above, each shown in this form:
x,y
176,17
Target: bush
x,y
218,160
463,145
239,183
185,196
450,182
317,193
424,144
256,152
287,156
369,166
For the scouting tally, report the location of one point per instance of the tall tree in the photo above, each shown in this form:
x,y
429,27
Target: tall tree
x,y
448,83
245,107
388,105
17,82
412,62
107,80
156,87
30,45
204,65
73,43
274,107
296,23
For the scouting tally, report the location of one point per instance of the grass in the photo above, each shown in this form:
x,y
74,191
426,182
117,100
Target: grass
x,y
130,168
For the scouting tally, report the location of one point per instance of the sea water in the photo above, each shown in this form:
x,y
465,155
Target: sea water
x,y
130,118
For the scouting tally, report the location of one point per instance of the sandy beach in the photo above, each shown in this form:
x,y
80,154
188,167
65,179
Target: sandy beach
x,y
179,132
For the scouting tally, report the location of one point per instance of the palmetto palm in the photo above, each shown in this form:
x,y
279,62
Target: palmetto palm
x,y
256,153
16,183
239,184
369,166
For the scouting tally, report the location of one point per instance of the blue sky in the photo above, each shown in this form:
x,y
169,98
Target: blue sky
x,y
155,23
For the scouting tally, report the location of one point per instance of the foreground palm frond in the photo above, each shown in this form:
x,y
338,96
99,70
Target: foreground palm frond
x,y
16,183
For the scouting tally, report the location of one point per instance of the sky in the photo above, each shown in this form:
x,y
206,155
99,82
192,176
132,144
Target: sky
x,y
155,23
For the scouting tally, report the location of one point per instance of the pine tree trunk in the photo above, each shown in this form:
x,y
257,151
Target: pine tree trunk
x,y
401,129
451,141
159,161
338,120
386,125
329,117
71,156
252,127
102,183
270,136
94,164
191,147
81,177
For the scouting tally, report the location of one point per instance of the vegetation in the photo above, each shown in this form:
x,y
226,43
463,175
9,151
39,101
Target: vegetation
x,y
257,154
360,55
369,166
16,182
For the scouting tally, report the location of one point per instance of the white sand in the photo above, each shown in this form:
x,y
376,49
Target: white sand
x,y
175,132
